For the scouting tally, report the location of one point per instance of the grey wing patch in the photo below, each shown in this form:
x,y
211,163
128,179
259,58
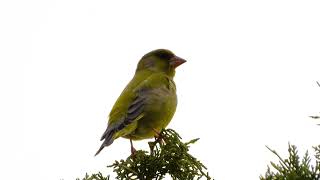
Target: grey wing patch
x,y
136,104
134,110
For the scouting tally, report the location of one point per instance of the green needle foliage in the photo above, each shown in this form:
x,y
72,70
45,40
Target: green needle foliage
x,y
167,156
98,176
293,168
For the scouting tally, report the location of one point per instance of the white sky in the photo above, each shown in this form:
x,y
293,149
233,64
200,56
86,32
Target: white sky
x,y
250,80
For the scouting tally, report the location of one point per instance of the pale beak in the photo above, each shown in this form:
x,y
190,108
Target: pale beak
x,y
176,61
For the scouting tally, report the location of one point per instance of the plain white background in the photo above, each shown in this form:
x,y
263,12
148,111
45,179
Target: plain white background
x,y
250,80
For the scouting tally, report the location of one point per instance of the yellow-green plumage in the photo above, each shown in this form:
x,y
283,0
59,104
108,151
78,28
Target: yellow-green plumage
x,y
148,102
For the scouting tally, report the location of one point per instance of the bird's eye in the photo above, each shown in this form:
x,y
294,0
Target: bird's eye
x,y
164,55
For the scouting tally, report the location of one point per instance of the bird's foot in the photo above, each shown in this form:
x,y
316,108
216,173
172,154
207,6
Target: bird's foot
x,y
158,137
133,151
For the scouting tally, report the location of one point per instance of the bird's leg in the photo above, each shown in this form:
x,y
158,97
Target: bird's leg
x,y
157,133
158,137
133,150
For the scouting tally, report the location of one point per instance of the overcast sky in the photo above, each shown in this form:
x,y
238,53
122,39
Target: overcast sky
x,y
250,80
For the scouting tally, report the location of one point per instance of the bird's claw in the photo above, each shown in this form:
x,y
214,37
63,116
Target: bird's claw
x,y
133,151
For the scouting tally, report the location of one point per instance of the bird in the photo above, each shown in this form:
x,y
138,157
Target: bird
x,y
148,102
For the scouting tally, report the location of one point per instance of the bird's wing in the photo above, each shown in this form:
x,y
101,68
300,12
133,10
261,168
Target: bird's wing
x,y
127,110
125,124
127,121
124,119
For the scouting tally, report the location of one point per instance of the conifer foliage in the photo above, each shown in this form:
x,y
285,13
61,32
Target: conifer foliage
x,y
168,156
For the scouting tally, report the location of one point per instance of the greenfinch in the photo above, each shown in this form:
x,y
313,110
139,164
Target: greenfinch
x,y
148,102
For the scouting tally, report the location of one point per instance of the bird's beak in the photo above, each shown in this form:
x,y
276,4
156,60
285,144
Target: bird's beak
x,y
176,61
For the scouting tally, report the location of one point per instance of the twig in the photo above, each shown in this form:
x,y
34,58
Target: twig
x,y
274,152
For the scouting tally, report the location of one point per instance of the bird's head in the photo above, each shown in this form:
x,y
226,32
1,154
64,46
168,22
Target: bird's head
x,y
160,60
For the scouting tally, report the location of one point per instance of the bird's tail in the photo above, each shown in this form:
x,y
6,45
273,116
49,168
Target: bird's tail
x,y
108,139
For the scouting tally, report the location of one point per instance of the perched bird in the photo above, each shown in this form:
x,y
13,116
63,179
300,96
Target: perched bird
x,y
148,102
